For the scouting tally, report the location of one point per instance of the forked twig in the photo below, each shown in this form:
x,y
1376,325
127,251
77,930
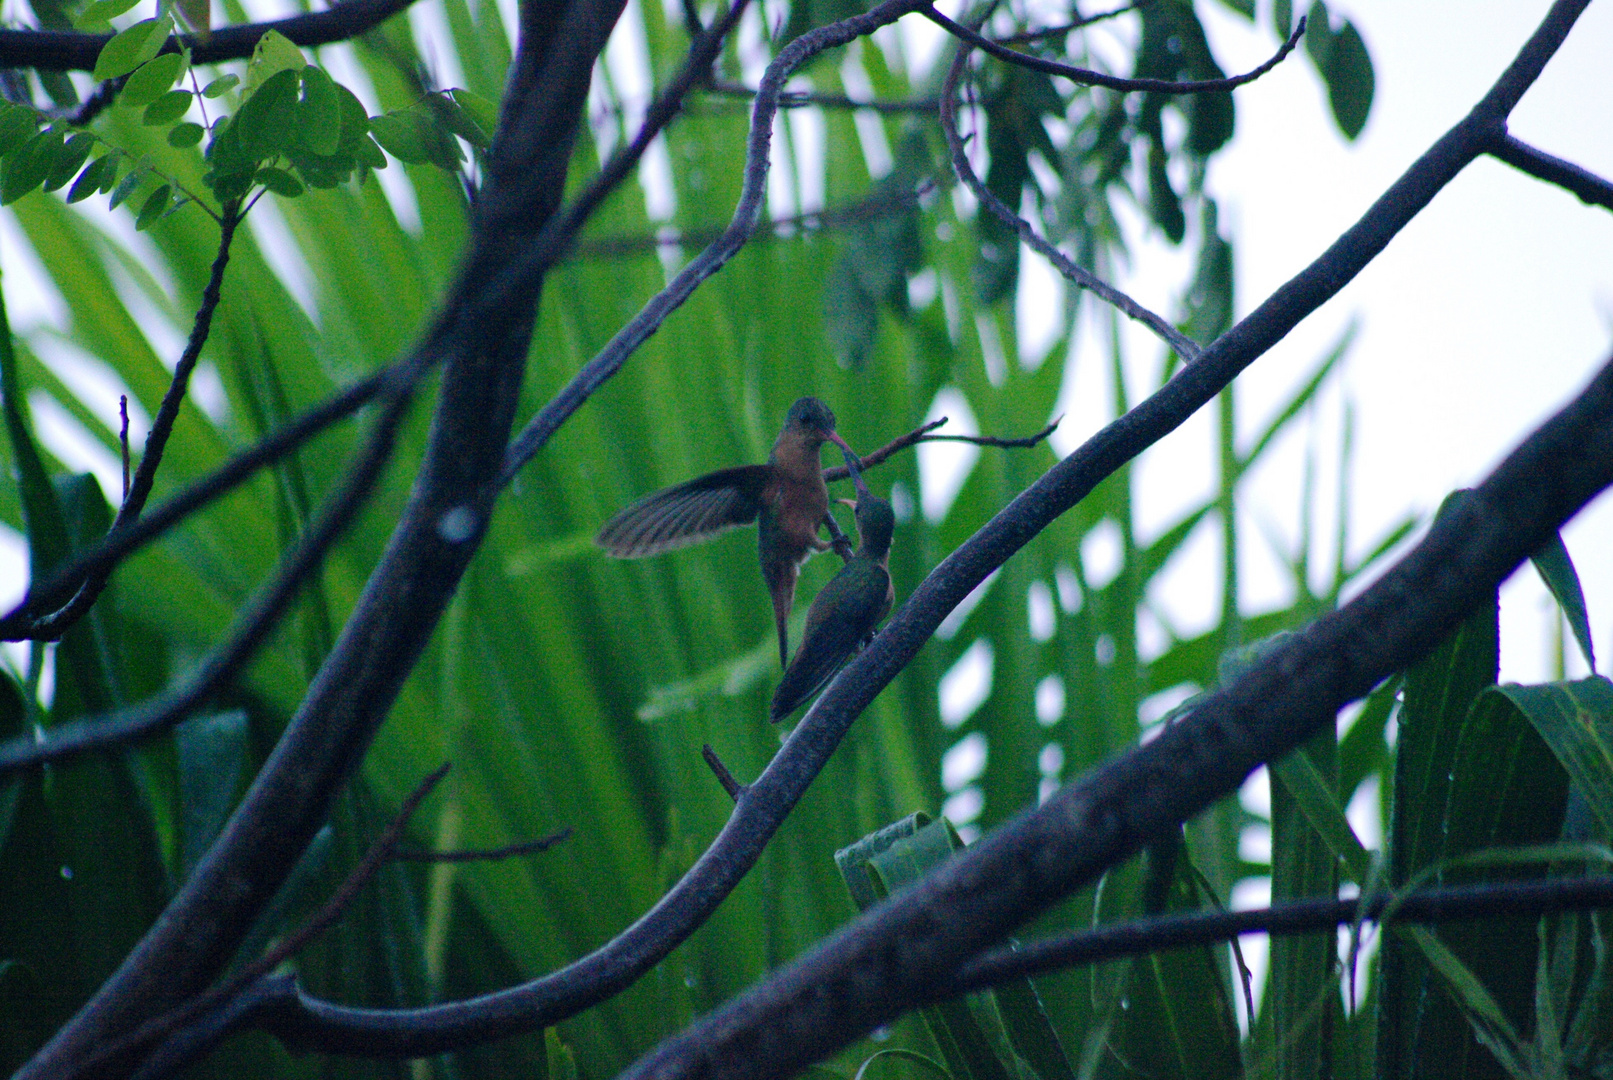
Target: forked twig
x,y
465,855
1087,77
1185,347
733,787
922,434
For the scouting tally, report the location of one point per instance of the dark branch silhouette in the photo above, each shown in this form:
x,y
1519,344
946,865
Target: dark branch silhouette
x,y
800,99
52,626
382,849
465,855
66,50
899,954
119,543
1111,82
799,1020
1079,276
1457,903
1585,185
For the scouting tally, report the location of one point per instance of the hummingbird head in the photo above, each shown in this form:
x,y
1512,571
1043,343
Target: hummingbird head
x,y
815,420
876,524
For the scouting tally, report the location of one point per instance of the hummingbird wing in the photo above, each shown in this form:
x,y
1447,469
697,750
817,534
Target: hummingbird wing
x,y
841,615
686,514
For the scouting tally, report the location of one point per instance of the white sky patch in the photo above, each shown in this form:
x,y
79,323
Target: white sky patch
x,y
1188,587
966,686
1363,814
991,348
60,432
627,58
944,466
281,252
1102,553
1049,700
509,14
876,146
1255,794
1071,597
808,136
13,584
750,39
963,808
1039,611
429,22
781,177
922,288
1038,307
963,762
1051,759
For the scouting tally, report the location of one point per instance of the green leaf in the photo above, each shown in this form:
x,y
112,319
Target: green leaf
x,y
369,154
185,135
1576,721
480,112
266,124
100,14
1350,82
1556,569
403,135
152,79
273,55
89,181
133,47
213,756
28,168
278,181
70,159
168,108
125,188
220,86
319,118
1164,205
18,124
153,208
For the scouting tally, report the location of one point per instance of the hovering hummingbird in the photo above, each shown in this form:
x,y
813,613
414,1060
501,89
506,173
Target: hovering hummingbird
x,y
786,496
846,610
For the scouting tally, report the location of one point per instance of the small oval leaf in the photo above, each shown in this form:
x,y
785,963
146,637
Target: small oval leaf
x,y
89,181
152,208
185,135
166,109
278,181
133,47
319,114
220,86
125,188
152,80
70,159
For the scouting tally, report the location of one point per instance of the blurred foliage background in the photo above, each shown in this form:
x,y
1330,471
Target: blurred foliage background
x,y
573,691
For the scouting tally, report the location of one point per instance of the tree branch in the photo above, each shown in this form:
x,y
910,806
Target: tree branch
x,y
119,543
1589,188
1138,937
798,99
306,1023
597,371
922,434
1079,276
66,50
485,345
52,626
1111,82
898,954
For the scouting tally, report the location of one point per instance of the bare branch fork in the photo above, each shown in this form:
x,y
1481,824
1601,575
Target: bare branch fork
x,y
812,1021
396,383
1589,188
52,626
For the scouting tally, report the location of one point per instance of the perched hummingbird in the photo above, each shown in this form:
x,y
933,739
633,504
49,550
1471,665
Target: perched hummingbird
x,y
845,611
786,497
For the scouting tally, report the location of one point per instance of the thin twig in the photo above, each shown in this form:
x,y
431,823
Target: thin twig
x,y
799,99
922,434
1087,77
123,442
1028,36
465,855
117,544
323,919
884,204
52,626
610,359
733,787
1142,936
1185,347
1582,183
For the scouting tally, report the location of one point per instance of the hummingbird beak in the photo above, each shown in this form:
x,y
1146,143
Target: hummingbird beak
x,y
854,463
847,502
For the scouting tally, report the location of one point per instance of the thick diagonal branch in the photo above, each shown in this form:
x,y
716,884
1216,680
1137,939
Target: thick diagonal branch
x,y
310,1024
439,530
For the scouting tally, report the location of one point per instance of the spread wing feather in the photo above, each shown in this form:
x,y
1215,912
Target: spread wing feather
x,y
686,514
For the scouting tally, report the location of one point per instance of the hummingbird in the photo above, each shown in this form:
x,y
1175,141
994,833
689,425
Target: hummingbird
x,y
786,497
845,611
